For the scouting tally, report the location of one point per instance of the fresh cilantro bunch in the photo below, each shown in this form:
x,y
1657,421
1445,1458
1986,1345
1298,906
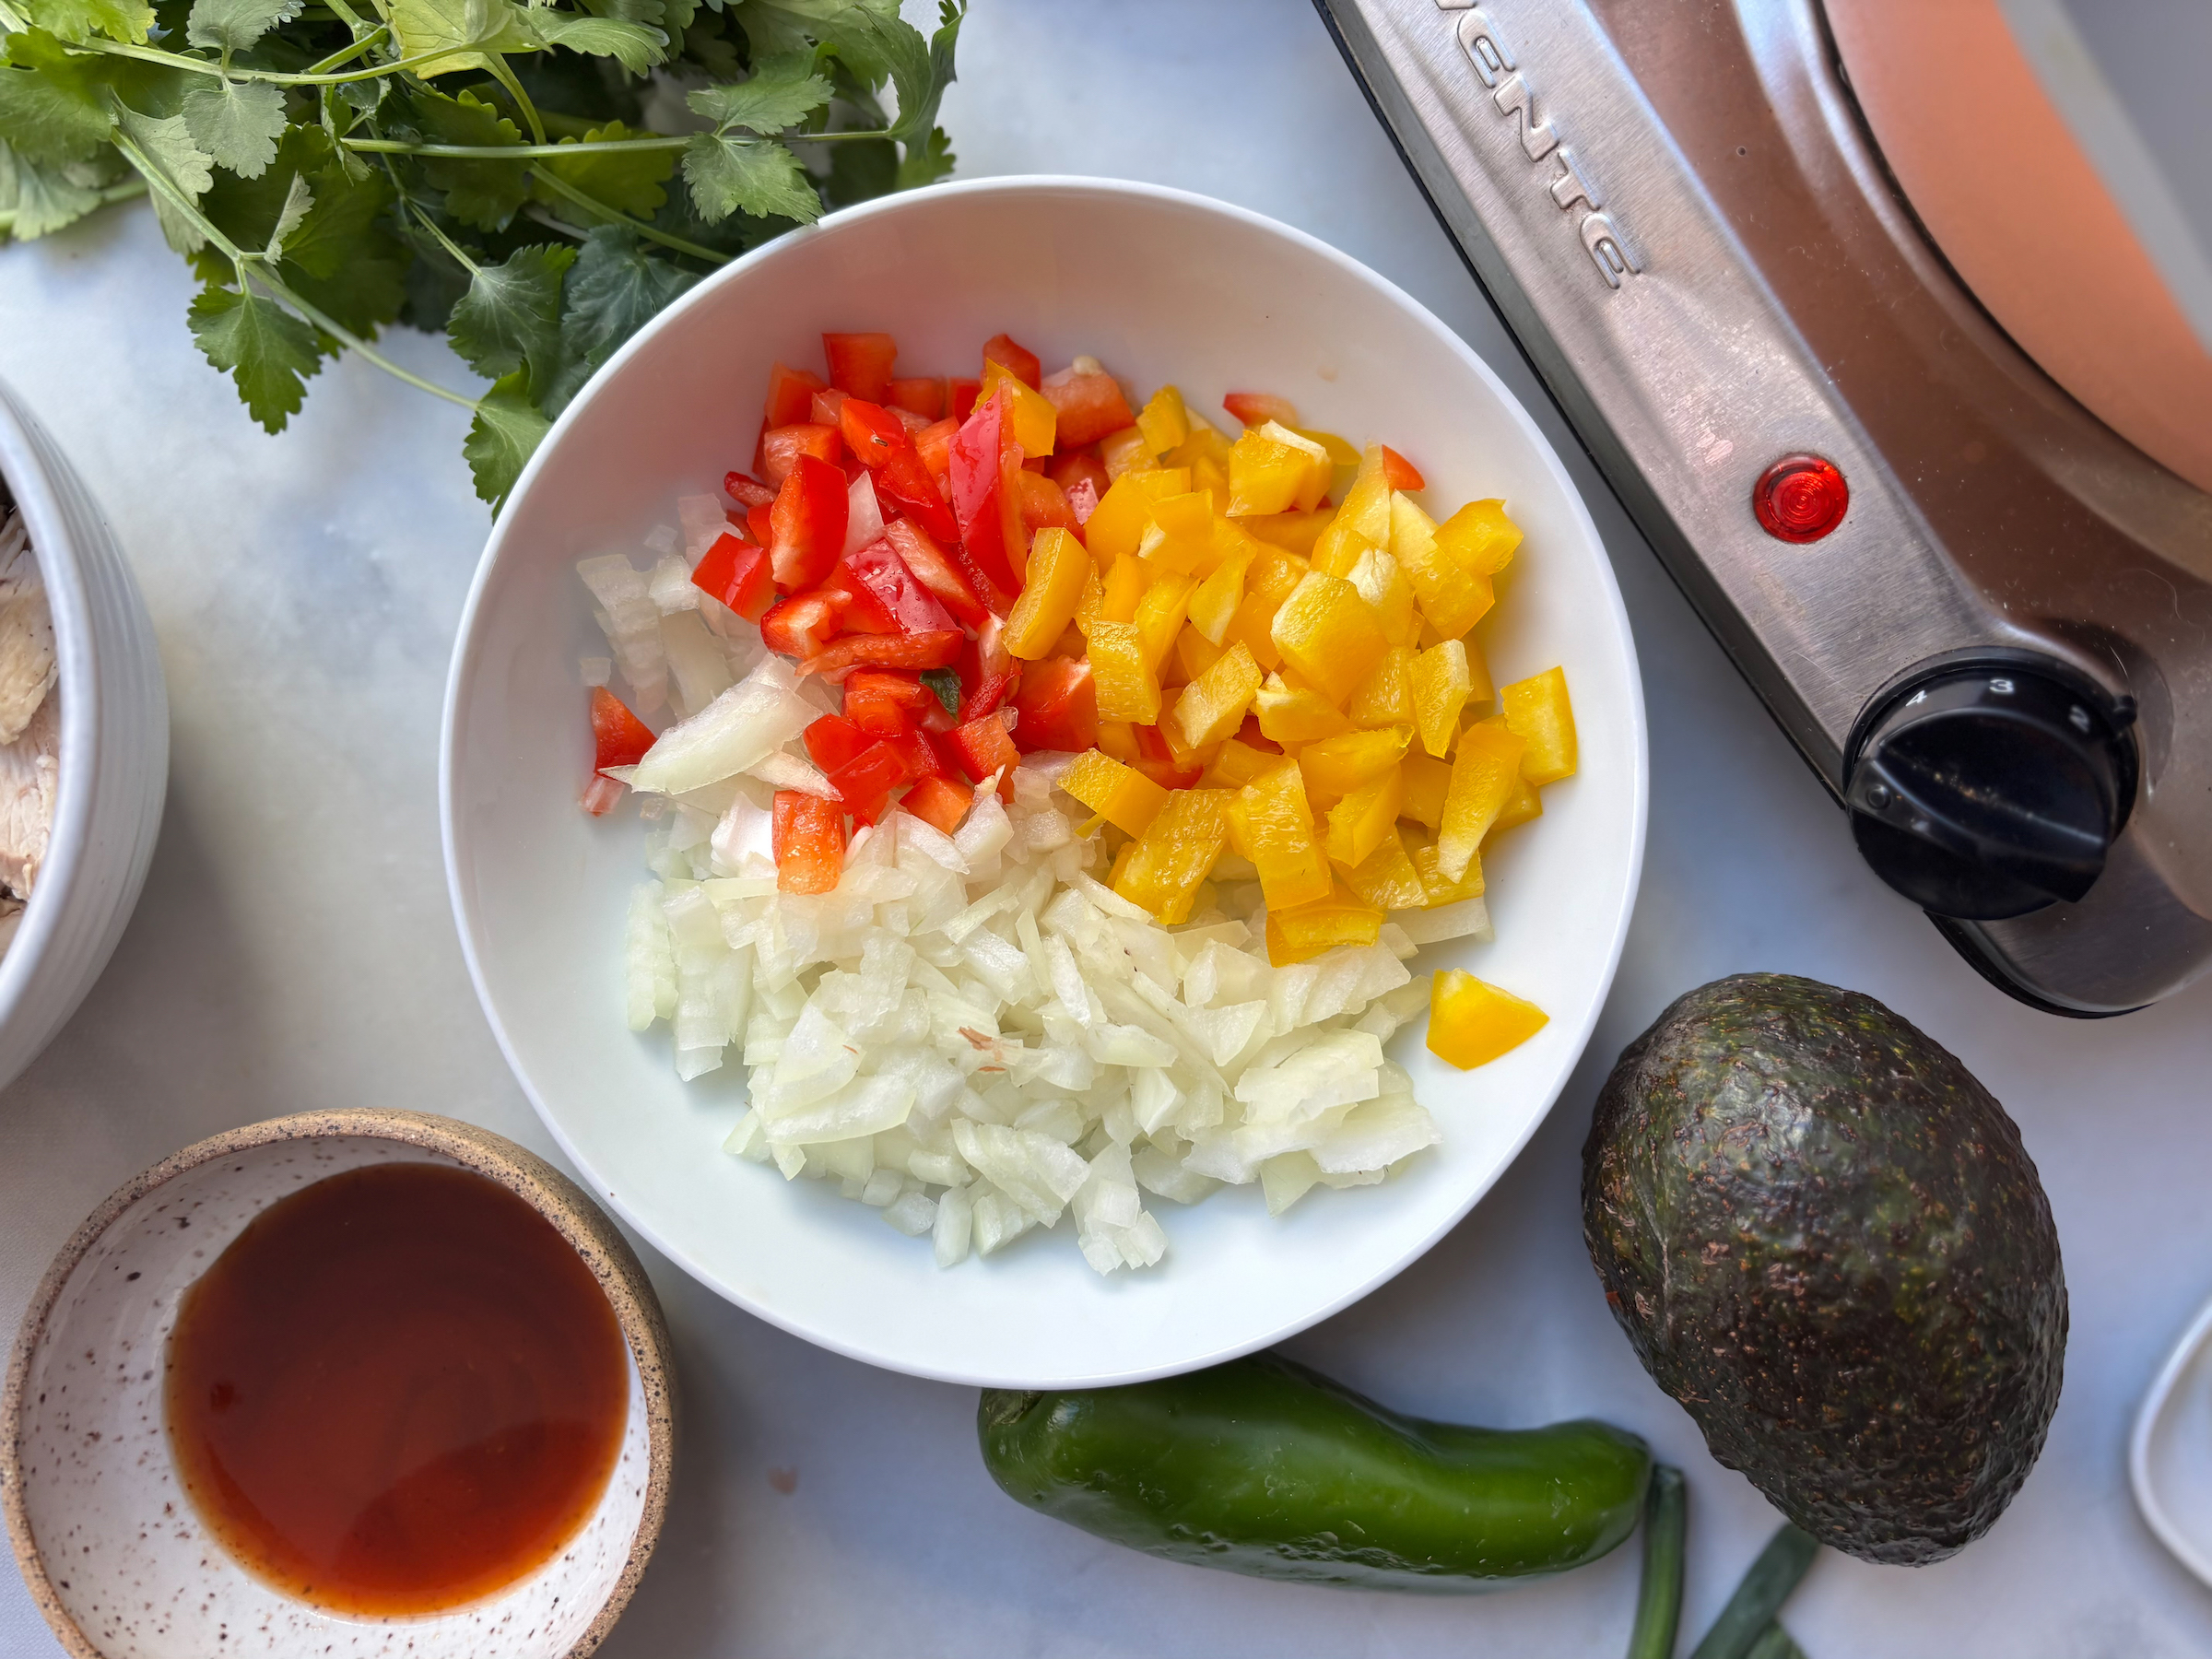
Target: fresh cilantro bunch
x,y
502,170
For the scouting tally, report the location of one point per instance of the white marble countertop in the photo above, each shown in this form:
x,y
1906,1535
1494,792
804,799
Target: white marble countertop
x,y
294,949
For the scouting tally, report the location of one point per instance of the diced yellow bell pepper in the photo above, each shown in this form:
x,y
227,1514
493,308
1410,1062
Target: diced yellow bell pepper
x,y
1179,534
1326,632
1386,877
1301,932
1441,686
1362,522
1214,605
1212,706
1337,766
1161,613
1358,822
1386,695
1035,420
1054,588
1453,597
1479,537
1122,674
1162,421
1388,595
1537,712
1205,442
1125,452
1295,715
1524,804
1275,830
1176,850
1293,532
1471,1022
1121,794
1236,764
1092,604
1272,469
1186,757
1123,590
1118,738
1478,672
1482,778
1442,889
1117,523
1210,476
1193,653
1428,781
1342,456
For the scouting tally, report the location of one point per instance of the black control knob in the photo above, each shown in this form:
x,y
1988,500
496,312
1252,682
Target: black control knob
x,y
1990,785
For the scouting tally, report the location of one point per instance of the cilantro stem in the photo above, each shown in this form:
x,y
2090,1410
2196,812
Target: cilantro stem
x,y
177,60
444,241
510,152
129,190
359,46
561,187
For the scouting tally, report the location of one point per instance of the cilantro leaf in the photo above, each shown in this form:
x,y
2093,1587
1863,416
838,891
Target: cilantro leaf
x,y
51,107
298,199
36,198
267,351
237,122
461,31
483,193
945,683
758,175
633,45
235,24
926,162
922,88
344,257
504,435
614,290
511,315
78,21
171,157
860,31
628,181
783,92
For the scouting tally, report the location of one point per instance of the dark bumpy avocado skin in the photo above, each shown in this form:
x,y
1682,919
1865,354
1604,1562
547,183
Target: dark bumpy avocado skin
x,y
1824,1238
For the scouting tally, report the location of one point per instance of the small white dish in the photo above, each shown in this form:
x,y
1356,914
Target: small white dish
x,y
112,773
111,1546
1161,285
2169,1453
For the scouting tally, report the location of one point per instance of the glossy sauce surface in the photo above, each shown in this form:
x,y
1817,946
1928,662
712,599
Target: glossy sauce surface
x,y
399,1390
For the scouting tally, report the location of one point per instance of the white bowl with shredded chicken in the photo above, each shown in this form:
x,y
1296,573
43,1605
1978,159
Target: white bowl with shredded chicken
x,y
976,1018
84,740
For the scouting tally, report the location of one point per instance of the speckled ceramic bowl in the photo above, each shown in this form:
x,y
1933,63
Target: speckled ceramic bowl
x,y
112,1549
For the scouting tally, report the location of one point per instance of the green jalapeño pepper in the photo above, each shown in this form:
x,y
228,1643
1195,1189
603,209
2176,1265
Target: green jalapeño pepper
x,y
1261,1466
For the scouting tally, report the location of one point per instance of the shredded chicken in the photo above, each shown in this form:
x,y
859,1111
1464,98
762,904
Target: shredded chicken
x,y
26,663
28,769
30,724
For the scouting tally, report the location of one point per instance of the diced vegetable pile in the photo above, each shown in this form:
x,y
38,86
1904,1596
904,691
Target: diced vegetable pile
x,y
1056,791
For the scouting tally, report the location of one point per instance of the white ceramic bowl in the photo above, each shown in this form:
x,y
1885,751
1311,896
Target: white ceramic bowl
x,y
113,771
1162,287
108,1541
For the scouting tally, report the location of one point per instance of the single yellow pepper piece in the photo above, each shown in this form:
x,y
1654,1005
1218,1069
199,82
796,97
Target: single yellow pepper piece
x,y
1162,421
1176,850
1122,674
1058,566
1337,766
1202,444
1428,781
1294,532
1453,597
1125,452
1179,534
1303,932
1161,613
1536,711
1193,653
1272,469
1443,889
1364,522
1479,537
1214,605
1471,1021
1236,764
1212,706
1386,695
1441,684
1520,807
1091,603
1117,523
1123,591
1275,830
1388,595
1326,632
1121,794
1035,420
1386,877
1358,822
1118,740
1482,781
1295,715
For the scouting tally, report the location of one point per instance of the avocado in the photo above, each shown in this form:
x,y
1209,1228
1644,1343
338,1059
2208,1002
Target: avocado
x,y
1825,1240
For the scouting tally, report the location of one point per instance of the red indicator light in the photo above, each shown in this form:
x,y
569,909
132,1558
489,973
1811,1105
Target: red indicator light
x,y
1800,498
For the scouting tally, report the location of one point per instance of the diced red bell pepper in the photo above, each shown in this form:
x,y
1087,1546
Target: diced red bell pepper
x,y
808,520
789,391
619,738
1158,761
601,794
860,363
1044,505
883,650
1088,406
977,503
832,740
923,397
864,614
920,754
1019,359
877,570
781,446
986,747
988,672
902,483
866,782
747,490
761,522
809,836
887,700
939,802
1057,707
1070,466
871,431
1257,409
740,574
938,571
934,445
1400,473
824,408
803,625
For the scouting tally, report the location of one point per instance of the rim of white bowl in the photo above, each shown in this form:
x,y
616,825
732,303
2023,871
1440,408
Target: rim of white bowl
x,y
2155,1400
462,665
77,653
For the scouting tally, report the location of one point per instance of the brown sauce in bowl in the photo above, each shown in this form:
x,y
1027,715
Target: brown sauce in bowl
x,y
399,1390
